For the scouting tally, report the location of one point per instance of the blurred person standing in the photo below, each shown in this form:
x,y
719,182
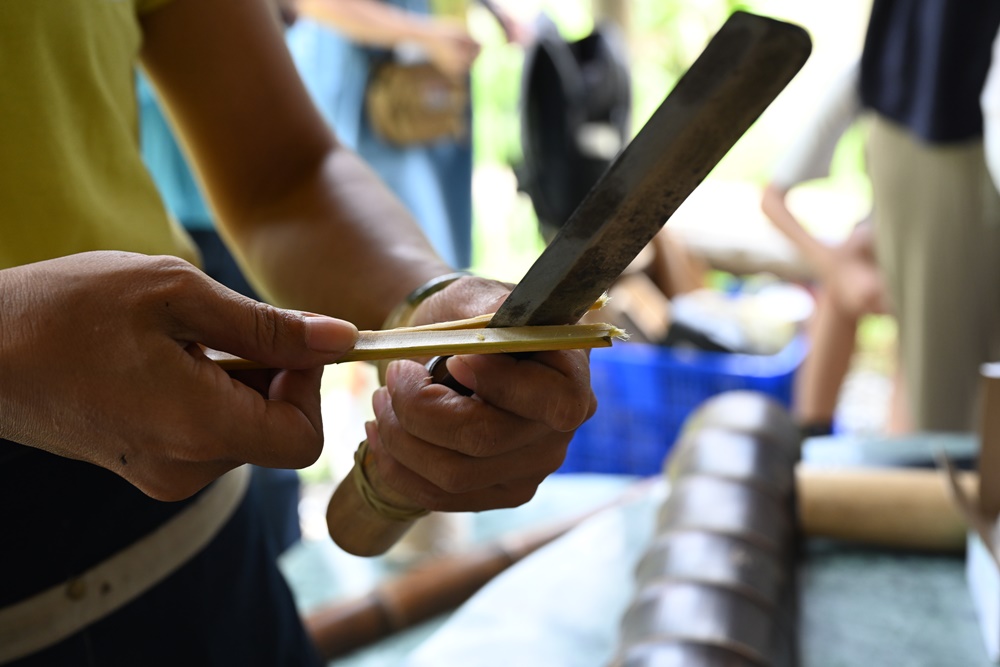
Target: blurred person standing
x,y
338,46
938,232
850,281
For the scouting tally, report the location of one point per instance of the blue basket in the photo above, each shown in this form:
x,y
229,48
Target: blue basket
x,y
646,392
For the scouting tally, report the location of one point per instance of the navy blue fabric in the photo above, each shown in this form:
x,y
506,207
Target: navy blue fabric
x,y
924,63
59,517
228,606
278,493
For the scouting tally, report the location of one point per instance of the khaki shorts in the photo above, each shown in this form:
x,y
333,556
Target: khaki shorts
x,y
937,220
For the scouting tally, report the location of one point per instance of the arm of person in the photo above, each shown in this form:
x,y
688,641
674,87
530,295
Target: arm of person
x,y
848,270
447,43
809,158
515,30
320,233
774,205
314,226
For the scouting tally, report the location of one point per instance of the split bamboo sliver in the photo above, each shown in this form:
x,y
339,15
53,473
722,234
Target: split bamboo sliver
x,y
433,340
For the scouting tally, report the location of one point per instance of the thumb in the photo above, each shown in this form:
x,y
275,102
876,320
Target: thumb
x,y
467,297
271,336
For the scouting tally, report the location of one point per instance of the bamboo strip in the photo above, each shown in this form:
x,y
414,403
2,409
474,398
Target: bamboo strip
x,y
481,321
418,342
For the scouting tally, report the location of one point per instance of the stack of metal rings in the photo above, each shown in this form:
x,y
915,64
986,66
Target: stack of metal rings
x,y
716,586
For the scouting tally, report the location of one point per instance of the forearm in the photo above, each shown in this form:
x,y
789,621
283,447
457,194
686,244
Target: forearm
x,y
339,243
14,294
369,21
816,253
312,224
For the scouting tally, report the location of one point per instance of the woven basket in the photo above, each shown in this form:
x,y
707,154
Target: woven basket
x,y
416,104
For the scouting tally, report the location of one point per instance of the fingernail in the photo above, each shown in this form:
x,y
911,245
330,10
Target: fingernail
x,y
328,334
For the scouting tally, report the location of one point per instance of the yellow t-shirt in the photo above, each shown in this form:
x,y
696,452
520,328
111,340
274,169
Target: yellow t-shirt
x,y
71,175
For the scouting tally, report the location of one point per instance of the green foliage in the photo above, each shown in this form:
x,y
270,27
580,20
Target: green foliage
x,y
495,94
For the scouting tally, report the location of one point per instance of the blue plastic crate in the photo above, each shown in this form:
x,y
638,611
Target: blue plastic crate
x,y
646,392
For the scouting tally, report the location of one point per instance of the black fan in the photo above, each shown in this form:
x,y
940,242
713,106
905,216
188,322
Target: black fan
x,y
575,110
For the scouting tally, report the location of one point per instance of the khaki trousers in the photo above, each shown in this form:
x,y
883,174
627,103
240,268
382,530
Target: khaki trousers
x,y
937,225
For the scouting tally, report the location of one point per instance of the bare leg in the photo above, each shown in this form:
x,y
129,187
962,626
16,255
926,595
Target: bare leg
x,y
898,420
818,381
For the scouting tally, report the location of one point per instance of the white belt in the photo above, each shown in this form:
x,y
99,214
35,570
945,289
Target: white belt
x,y
53,615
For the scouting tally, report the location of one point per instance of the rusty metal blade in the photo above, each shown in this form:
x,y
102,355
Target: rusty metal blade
x,y
743,68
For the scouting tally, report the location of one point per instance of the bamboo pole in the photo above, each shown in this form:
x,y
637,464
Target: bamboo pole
x,y
438,584
888,507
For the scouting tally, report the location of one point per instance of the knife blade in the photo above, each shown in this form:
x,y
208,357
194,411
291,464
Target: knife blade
x,y
742,69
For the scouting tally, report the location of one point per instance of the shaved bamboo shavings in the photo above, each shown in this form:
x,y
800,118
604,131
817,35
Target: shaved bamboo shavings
x,y
601,302
481,321
454,325
414,342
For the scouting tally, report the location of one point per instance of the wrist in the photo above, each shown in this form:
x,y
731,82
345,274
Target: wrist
x,y
401,315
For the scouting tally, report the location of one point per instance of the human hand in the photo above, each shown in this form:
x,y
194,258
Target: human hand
x,y
101,362
451,48
515,31
852,277
443,451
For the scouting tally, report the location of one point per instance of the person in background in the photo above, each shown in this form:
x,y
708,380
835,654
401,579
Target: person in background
x,y
132,535
937,237
338,43
850,282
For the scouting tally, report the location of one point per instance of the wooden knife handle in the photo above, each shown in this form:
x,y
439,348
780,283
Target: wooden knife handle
x,y
353,524
356,527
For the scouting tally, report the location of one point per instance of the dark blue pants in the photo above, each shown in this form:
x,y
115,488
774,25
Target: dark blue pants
x,y
227,606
